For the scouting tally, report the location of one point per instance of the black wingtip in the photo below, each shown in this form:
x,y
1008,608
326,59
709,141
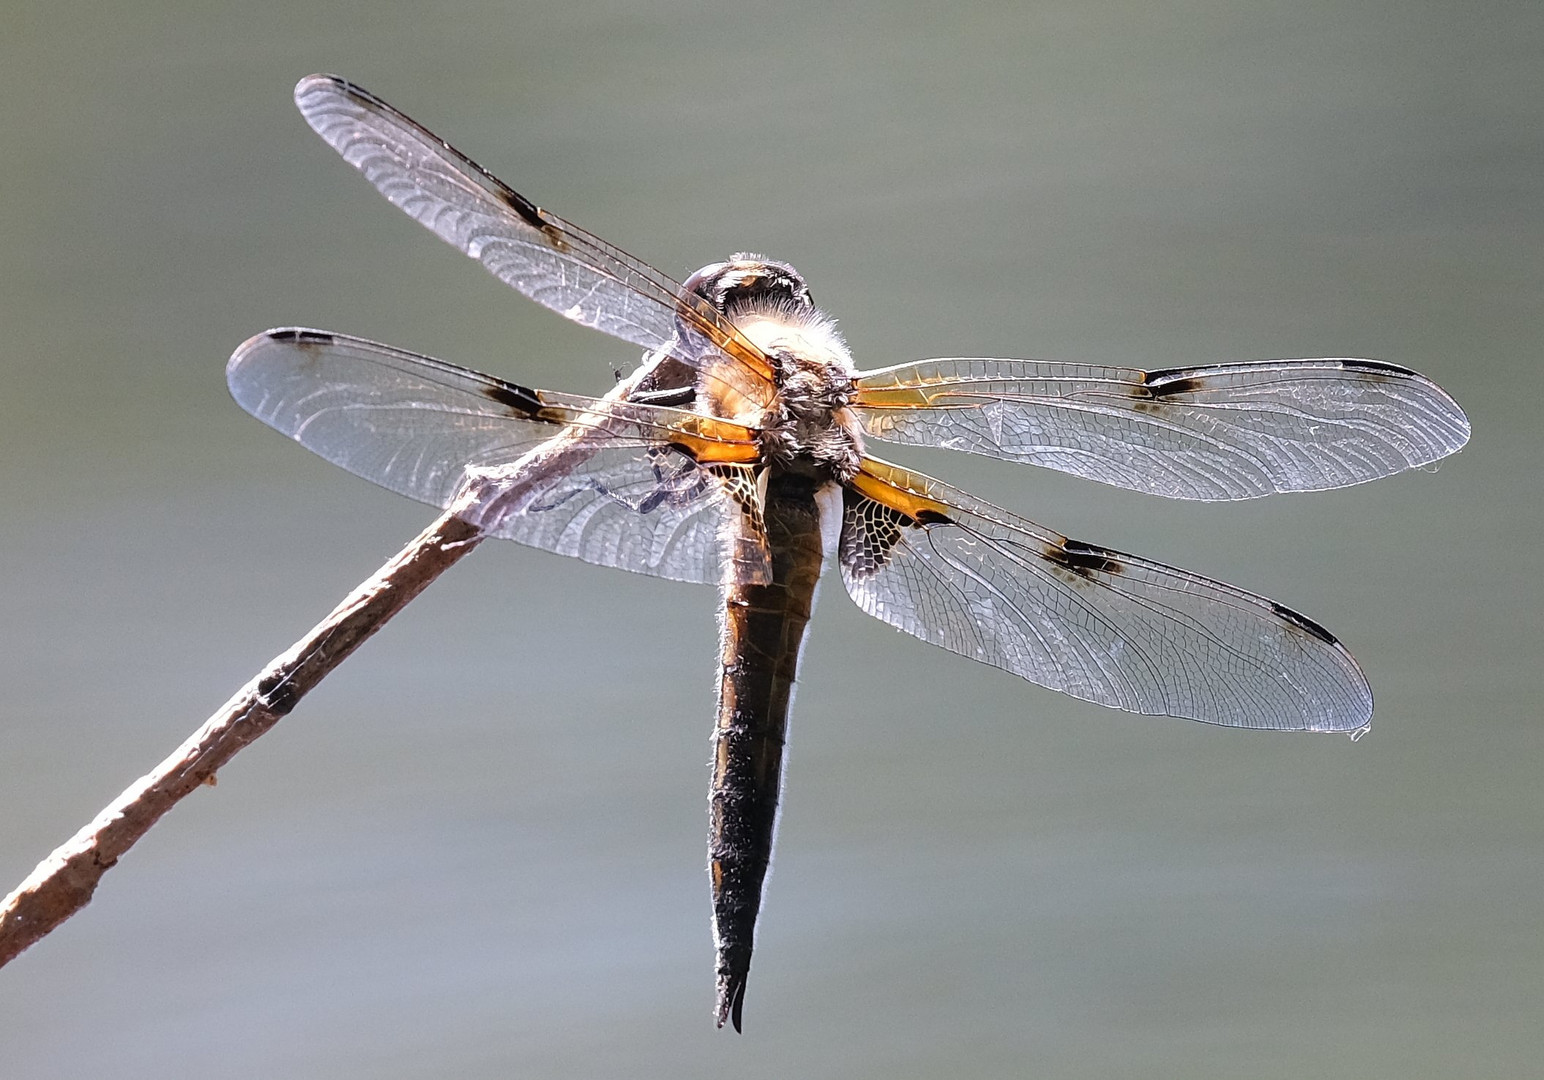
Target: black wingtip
x,y
731,1001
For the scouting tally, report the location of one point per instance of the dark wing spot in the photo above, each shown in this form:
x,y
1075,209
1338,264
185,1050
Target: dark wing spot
x,y
1303,623
932,517
529,212
1162,384
302,338
870,532
517,399
1149,395
1084,560
1376,371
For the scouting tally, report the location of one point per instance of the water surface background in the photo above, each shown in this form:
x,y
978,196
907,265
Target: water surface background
x,y
478,848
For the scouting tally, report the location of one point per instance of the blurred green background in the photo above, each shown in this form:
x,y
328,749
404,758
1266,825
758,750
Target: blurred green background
x,y
478,849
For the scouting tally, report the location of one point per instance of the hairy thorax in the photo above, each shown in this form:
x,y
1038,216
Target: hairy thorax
x,y
809,431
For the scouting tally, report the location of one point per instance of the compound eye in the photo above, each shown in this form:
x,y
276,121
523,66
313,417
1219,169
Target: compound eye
x,y
747,282
705,282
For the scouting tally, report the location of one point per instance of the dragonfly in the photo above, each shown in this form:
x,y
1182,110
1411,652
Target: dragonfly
x,y
737,455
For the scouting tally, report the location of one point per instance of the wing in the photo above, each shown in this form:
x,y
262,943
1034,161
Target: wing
x,y
555,263
1230,431
1102,626
642,488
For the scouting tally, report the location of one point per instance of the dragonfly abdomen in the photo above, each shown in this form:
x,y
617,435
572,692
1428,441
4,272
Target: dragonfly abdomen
x,y
763,631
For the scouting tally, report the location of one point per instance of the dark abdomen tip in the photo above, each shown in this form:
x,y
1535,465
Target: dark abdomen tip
x,y
731,999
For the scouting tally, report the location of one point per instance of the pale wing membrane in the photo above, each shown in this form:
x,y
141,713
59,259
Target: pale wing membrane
x,y
651,509
555,263
1097,624
415,425
1230,431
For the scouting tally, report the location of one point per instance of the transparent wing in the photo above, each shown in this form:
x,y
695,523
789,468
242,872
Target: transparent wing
x,y
1230,431
1102,626
637,487
555,263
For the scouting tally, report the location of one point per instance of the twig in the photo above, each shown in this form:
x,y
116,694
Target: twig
x,y
63,883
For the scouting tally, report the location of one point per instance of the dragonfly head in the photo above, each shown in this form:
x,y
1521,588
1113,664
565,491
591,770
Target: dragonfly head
x,y
749,282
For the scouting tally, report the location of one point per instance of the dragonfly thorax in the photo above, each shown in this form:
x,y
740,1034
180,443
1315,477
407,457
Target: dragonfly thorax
x,y
812,431
808,429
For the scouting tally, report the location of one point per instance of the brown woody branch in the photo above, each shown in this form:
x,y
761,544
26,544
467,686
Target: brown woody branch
x,y
63,883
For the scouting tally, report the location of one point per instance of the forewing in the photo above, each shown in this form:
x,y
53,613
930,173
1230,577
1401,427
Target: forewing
x,y
638,487
555,263
1230,431
1097,624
